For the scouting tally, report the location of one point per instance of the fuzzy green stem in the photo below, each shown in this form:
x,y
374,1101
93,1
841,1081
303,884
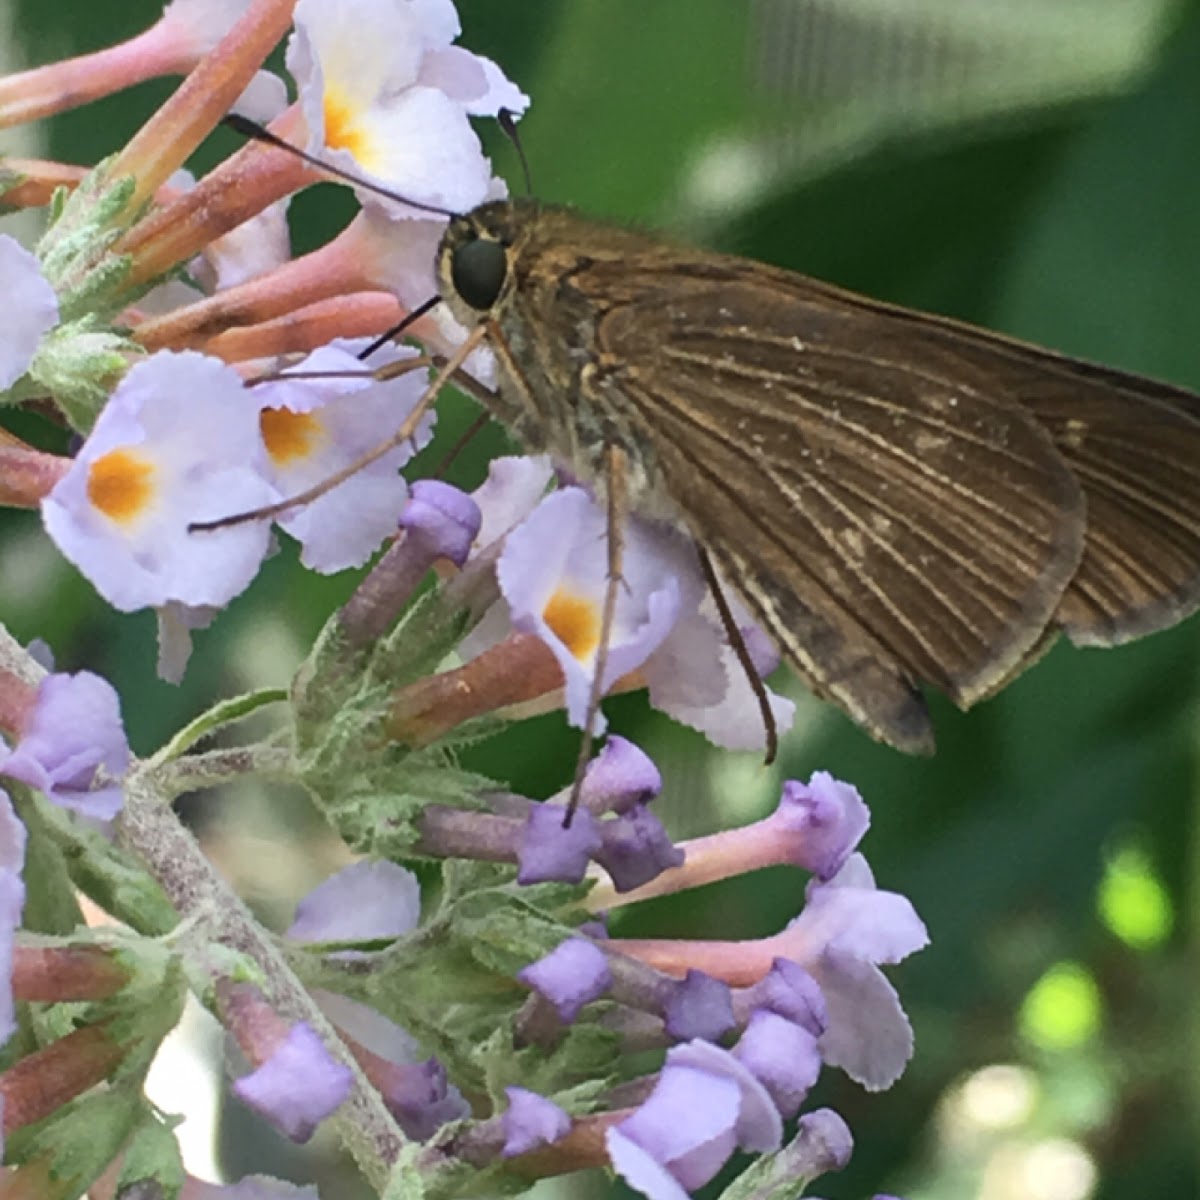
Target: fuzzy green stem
x,y
215,914
218,767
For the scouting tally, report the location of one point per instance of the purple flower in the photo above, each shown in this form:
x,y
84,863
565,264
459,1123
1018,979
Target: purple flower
x,y
422,1099
595,928
790,991
699,1007
783,1056
364,902
632,847
680,1137
758,1127
441,519
73,746
846,929
825,819
514,487
531,1121
704,1105
551,851
635,849
416,1090
176,623
696,677
394,106
822,1144
298,1086
553,572
620,776
12,838
574,973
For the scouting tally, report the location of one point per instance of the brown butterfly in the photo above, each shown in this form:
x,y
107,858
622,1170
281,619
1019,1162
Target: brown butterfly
x,y
900,499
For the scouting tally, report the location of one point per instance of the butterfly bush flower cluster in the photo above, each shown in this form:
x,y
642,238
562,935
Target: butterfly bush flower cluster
x,y
459,1039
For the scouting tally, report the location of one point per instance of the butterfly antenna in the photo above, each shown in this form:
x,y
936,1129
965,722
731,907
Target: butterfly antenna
x,y
260,133
397,329
508,124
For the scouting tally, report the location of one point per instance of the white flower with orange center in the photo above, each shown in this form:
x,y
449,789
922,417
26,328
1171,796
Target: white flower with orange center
x,y
553,572
176,444
386,95
312,428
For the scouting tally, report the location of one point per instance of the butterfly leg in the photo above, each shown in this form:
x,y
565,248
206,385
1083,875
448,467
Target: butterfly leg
x,y
739,647
616,476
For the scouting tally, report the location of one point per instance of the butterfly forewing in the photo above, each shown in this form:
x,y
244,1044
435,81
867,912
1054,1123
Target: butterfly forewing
x,y
880,512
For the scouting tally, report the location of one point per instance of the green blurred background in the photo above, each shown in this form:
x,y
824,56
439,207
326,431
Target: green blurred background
x,y
1032,167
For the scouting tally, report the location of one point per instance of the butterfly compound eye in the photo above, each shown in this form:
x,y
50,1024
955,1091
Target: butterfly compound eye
x,y
478,270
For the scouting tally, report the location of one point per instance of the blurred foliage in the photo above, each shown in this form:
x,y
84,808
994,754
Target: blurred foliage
x,y
1072,222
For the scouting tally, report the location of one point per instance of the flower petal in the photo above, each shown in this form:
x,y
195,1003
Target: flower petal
x,y
30,309
550,850
298,1086
73,747
574,973
531,1121
364,902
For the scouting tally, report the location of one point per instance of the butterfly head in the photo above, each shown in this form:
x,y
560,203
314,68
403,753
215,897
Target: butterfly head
x,y
475,258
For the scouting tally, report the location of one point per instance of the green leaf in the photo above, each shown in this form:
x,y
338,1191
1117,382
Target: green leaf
x,y
372,788
79,363
153,1155
50,904
119,884
82,1137
148,1008
226,712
